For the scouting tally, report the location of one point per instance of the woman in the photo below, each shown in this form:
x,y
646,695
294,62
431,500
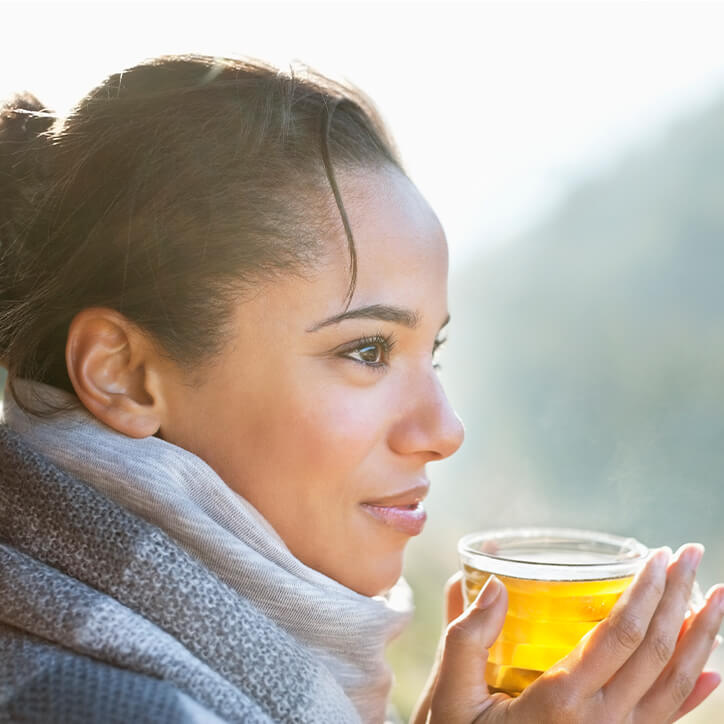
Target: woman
x,y
222,298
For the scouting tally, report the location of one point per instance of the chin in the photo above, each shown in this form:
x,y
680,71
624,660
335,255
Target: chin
x,y
379,579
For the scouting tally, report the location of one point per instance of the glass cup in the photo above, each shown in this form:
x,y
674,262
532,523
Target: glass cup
x,y
560,584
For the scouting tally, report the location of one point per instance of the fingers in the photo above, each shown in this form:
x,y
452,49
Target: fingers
x,y
678,681
705,684
615,639
454,604
460,692
645,664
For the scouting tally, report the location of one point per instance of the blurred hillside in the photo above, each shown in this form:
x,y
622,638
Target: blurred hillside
x,y
587,361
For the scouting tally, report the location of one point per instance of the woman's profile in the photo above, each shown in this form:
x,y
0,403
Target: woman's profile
x,y
221,298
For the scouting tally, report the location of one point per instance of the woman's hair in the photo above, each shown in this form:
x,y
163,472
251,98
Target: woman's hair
x,y
164,193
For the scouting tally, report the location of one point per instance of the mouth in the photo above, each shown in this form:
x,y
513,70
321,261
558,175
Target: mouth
x,y
402,512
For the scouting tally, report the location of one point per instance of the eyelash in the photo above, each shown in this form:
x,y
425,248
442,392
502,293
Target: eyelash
x,y
386,343
435,348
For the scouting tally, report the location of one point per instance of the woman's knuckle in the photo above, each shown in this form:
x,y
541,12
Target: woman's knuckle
x,y
458,631
562,700
681,686
454,632
628,631
568,710
663,647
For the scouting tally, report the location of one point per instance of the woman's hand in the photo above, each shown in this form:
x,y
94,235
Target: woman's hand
x,y
633,668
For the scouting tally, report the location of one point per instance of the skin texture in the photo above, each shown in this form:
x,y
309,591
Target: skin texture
x,y
639,666
309,420
306,421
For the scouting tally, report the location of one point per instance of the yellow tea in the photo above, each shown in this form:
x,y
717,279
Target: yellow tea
x,y
545,621
554,596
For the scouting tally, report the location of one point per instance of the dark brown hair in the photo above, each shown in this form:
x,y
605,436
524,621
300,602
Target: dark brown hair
x,y
168,189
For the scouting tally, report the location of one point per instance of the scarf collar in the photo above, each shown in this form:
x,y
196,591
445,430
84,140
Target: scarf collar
x,y
103,616
178,492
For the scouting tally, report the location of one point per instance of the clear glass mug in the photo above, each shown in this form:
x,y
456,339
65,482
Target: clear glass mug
x,y
560,584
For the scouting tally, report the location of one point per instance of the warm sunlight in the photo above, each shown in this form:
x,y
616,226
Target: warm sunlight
x,y
498,107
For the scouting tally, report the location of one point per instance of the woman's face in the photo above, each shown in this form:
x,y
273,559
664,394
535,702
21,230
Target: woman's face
x,y
323,416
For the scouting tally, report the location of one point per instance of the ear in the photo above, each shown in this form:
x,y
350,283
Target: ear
x,y
115,371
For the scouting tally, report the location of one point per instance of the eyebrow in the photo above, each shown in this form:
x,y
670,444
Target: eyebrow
x,y
384,312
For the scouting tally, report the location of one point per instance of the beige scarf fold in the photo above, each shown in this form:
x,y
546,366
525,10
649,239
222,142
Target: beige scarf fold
x,y
177,491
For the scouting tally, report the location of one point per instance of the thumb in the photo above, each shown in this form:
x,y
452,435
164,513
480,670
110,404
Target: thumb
x,y
460,693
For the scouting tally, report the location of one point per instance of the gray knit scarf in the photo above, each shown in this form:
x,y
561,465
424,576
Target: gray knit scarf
x,y
214,594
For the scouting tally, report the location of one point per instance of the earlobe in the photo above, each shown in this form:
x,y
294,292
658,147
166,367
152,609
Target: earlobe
x,y
113,369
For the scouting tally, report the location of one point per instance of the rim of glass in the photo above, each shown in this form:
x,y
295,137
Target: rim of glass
x,y
625,556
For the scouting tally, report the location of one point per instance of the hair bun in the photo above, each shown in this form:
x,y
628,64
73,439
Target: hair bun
x,y
23,177
22,118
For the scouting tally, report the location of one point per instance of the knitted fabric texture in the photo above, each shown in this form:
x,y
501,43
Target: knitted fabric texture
x,y
338,632
103,618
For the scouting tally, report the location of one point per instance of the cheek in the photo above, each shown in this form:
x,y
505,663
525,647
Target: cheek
x,y
338,429
313,438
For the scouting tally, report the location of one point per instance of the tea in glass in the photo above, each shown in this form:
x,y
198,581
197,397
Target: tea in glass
x,y
560,584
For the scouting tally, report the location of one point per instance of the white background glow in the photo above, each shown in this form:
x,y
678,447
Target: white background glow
x,y
497,107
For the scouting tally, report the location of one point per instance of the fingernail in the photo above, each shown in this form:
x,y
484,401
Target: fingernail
x,y
489,595
660,559
692,555
715,596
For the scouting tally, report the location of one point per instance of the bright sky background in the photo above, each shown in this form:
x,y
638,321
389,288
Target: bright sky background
x,y
497,107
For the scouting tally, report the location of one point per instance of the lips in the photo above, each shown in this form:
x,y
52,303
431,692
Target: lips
x,y
402,512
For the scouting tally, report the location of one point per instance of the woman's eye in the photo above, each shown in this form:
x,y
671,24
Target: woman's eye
x,y
371,353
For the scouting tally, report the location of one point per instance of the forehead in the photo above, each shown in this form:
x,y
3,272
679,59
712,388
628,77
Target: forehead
x,y
401,262
397,236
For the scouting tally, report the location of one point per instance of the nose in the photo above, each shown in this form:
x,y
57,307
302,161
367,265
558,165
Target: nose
x,y
428,425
